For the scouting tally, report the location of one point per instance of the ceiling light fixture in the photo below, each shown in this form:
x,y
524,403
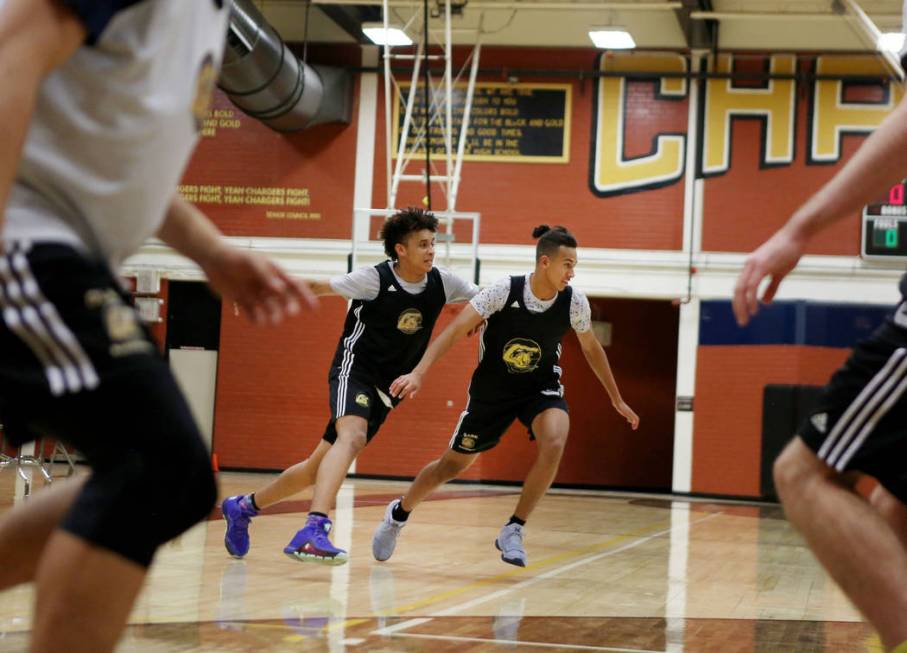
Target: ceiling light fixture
x,y
394,35
891,41
612,38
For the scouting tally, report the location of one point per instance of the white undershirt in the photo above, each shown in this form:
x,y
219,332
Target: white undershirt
x,y
494,298
365,284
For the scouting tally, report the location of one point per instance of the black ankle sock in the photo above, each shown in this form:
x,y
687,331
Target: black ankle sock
x,y
398,513
318,514
516,520
252,501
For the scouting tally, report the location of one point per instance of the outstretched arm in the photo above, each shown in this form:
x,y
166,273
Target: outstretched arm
x,y
880,162
322,288
598,361
264,291
466,321
36,36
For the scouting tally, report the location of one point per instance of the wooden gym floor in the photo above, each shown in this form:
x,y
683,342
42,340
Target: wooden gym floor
x,y
607,572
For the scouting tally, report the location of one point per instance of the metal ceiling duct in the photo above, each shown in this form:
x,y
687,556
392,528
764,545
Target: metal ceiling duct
x,y
268,82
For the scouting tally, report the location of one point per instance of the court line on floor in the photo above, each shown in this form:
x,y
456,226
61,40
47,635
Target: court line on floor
x,y
388,630
518,571
519,642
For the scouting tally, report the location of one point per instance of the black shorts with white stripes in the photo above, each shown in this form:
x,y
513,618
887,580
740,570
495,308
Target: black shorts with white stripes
x,y
65,321
860,420
357,393
76,365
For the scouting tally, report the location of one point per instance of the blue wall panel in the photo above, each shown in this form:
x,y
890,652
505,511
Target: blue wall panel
x,y
791,323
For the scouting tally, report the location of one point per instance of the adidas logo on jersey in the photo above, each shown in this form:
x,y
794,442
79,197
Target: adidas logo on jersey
x,y
391,289
515,304
820,421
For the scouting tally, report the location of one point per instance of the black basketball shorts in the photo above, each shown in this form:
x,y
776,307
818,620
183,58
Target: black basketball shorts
x,y
77,365
860,420
357,394
483,423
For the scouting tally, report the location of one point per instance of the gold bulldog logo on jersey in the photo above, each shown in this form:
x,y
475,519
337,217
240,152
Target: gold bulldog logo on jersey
x,y
522,355
120,321
204,91
410,321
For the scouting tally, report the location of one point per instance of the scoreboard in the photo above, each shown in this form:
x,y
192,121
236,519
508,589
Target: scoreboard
x,y
884,227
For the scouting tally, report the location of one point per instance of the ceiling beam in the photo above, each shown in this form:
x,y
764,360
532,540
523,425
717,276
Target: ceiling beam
x,y
350,18
699,34
776,15
529,5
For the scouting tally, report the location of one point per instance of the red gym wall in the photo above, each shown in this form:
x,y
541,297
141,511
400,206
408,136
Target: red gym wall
x,y
728,419
271,403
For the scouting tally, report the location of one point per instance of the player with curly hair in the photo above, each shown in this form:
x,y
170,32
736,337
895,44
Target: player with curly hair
x,y
394,308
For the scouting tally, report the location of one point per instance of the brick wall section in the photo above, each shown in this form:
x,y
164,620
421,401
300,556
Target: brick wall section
x,y
728,418
272,401
747,204
321,159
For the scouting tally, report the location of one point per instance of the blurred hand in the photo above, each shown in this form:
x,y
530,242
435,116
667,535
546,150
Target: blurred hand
x,y
775,258
257,286
622,408
406,384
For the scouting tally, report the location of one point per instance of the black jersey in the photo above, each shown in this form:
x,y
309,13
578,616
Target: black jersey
x,y
521,349
386,336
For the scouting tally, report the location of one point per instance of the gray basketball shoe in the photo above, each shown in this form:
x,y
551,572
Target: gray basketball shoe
x,y
385,538
510,544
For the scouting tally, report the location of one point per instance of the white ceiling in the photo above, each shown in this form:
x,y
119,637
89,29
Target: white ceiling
x,y
743,24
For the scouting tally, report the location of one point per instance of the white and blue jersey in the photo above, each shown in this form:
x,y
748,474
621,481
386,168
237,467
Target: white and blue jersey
x,y
115,125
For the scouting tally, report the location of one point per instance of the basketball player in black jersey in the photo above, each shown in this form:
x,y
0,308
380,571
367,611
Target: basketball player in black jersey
x,y
859,427
388,326
518,377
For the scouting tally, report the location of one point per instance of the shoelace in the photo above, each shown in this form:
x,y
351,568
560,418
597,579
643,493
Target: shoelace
x,y
321,540
240,518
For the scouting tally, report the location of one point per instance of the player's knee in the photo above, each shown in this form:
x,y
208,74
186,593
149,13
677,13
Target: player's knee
x,y
353,438
450,468
552,444
796,466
